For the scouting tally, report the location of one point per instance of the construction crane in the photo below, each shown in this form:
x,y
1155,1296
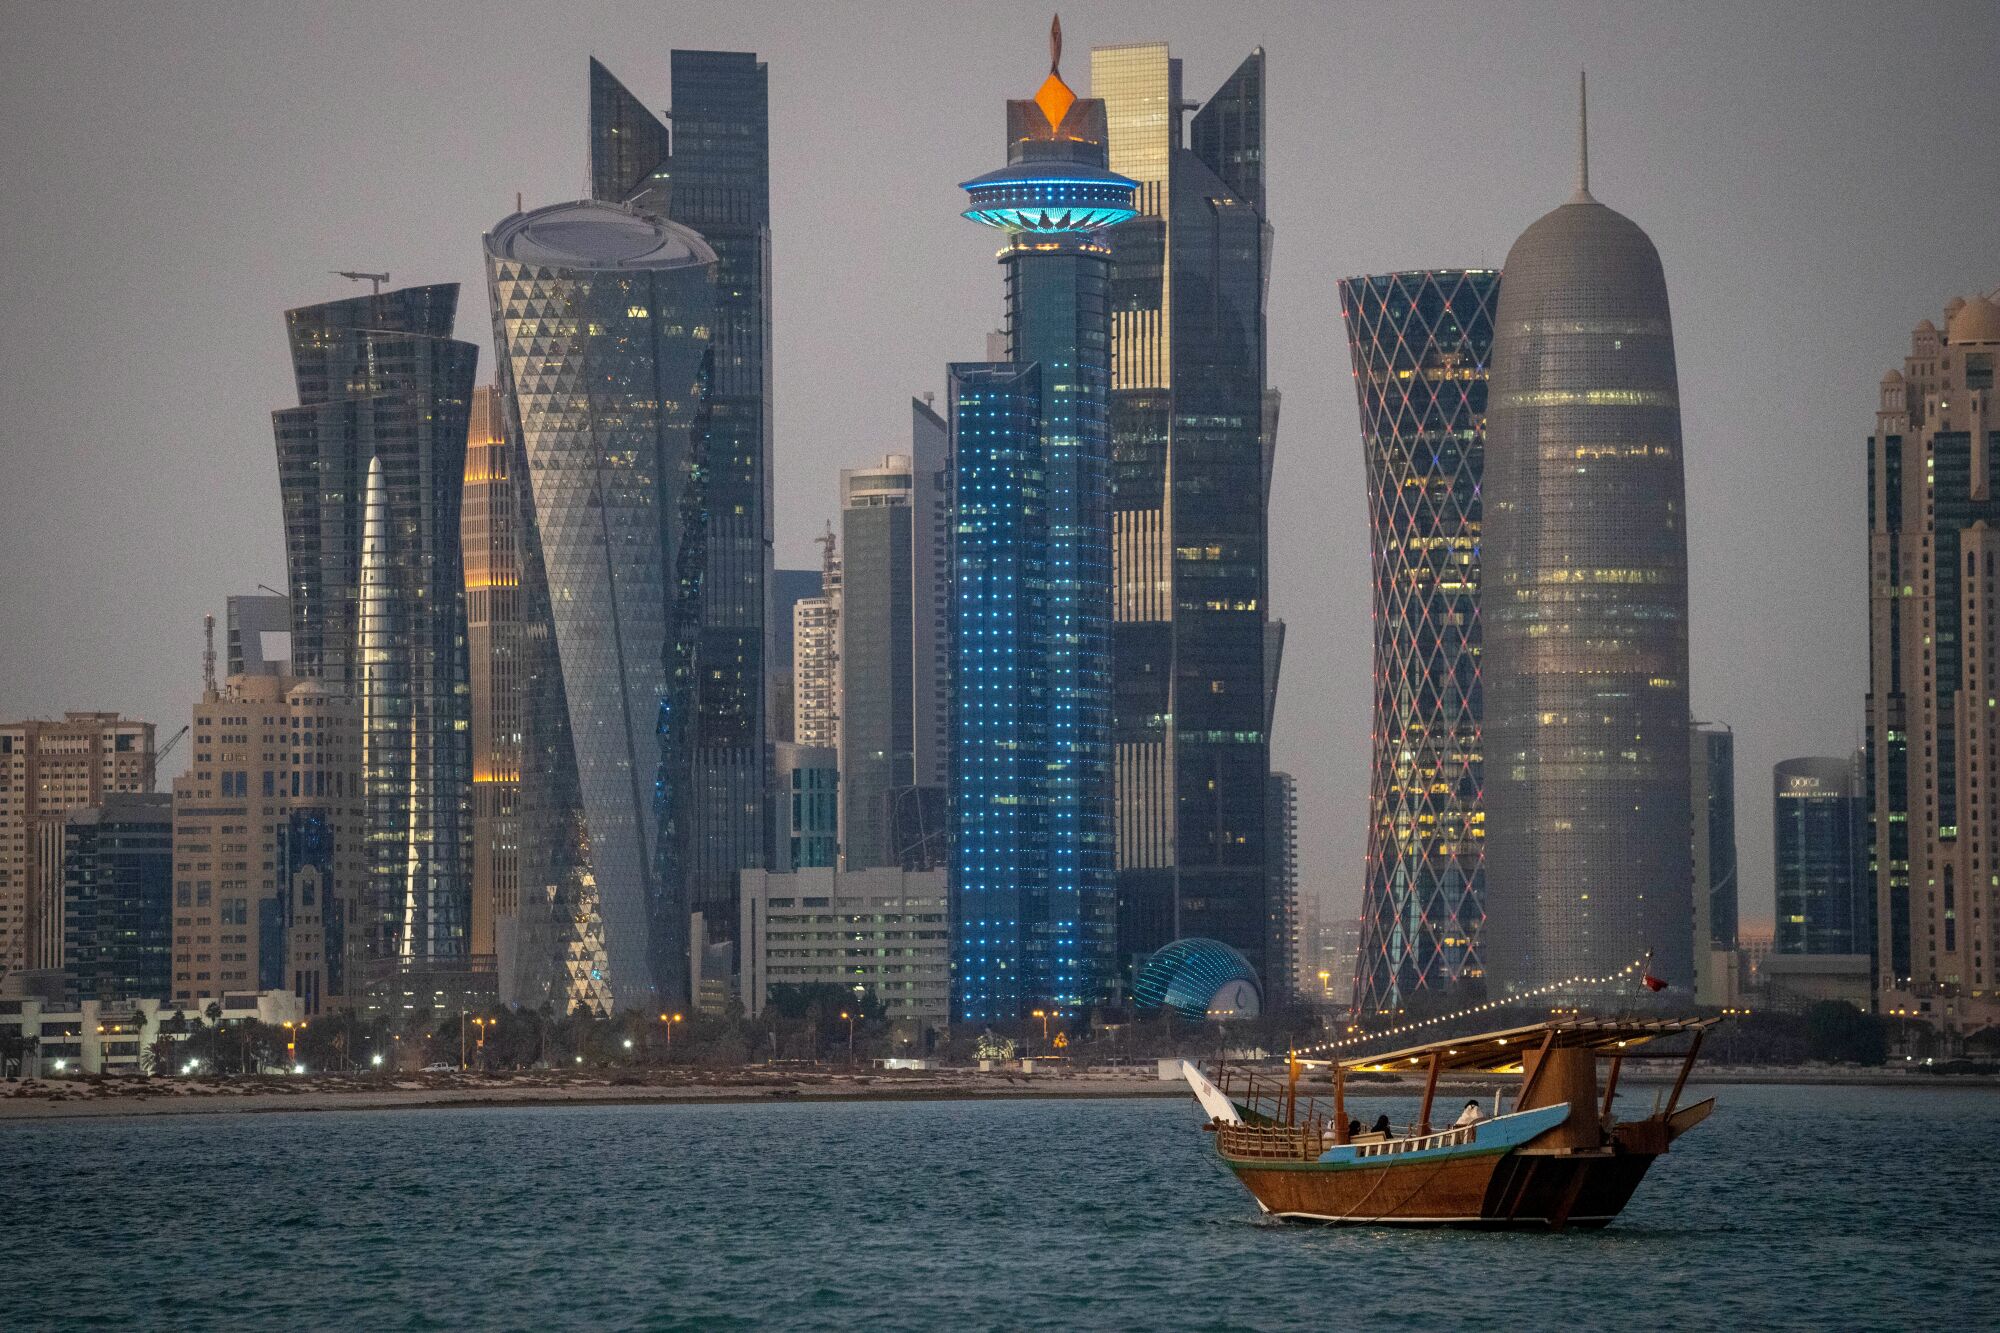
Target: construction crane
x,y
377,278
153,769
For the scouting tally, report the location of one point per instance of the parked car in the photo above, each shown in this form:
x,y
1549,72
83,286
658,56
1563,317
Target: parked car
x,y
440,1069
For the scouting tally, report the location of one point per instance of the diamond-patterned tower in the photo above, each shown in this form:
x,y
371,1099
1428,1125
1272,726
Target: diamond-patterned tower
x,y
1421,342
602,316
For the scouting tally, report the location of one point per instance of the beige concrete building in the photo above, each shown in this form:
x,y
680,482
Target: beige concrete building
x,y
270,866
1933,744
46,770
489,531
816,657
885,931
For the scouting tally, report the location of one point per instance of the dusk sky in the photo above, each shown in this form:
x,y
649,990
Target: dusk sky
x,y
1817,177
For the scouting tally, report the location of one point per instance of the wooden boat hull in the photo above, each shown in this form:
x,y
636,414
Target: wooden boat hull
x,y
1511,1189
1558,1159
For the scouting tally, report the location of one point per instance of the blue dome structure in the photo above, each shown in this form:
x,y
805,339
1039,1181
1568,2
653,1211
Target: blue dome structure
x,y
1199,978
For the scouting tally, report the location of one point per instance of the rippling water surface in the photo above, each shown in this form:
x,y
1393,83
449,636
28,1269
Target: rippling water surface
x,y
1841,1208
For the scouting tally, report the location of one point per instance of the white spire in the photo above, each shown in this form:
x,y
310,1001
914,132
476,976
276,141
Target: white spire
x,y
1582,139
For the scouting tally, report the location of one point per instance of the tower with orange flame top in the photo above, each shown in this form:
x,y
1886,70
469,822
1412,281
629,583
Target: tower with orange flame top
x,y
1036,894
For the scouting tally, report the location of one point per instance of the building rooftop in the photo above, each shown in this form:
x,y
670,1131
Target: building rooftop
x,y
585,234
1977,320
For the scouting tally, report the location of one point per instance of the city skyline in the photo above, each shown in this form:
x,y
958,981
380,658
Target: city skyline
x,y
1814,325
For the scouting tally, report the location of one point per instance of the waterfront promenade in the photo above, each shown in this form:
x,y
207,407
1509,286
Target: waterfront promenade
x,y
43,1099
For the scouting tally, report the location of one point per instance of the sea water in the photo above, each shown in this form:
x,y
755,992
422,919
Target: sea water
x,y
1792,1207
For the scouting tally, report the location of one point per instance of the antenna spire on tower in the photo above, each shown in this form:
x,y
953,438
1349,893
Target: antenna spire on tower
x,y
208,686
1582,134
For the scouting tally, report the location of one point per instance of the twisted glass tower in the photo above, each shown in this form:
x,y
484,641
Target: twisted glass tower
x,y
1589,855
1421,343
371,466
602,316
1056,923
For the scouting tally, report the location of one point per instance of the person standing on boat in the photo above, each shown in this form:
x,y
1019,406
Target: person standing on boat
x,y
1471,1115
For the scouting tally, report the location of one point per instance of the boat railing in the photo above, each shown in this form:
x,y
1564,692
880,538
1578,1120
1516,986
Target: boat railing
x,y
1308,1139
1272,1143
1456,1137
1270,1098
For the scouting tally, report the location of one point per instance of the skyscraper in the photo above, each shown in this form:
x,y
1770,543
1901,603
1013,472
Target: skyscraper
x,y
816,656
602,316
371,466
489,529
1823,888
1712,801
260,635
118,898
1283,975
1051,199
789,587
931,525
1421,343
1193,430
1000,748
48,769
1583,603
878,655
1934,672
713,174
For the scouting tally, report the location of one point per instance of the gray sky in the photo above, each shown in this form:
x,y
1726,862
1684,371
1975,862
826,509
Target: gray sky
x,y
172,177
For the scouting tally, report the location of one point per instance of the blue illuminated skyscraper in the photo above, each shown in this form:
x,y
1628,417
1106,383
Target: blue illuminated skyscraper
x,y
1032,778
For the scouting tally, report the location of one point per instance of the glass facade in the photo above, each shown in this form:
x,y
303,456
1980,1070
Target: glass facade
x,y
1193,430
118,899
809,777
717,181
1714,796
1000,759
1584,610
489,529
371,468
603,318
1421,343
1823,898
1051,199
1189,977
878,710
260,636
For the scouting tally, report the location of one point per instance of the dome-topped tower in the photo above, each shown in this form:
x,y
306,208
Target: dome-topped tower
x,y
1584,603
1976,320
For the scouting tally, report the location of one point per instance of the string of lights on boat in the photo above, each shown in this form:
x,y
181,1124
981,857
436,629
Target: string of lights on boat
x,y
1344,1043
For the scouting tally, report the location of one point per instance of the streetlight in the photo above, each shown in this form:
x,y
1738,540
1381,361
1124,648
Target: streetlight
x,y
669,1020
376,1059
481,1023
848,1015
1043,1014
292,1034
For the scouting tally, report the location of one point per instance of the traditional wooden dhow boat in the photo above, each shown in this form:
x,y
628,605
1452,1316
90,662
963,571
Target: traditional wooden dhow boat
x,y
1558,1157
